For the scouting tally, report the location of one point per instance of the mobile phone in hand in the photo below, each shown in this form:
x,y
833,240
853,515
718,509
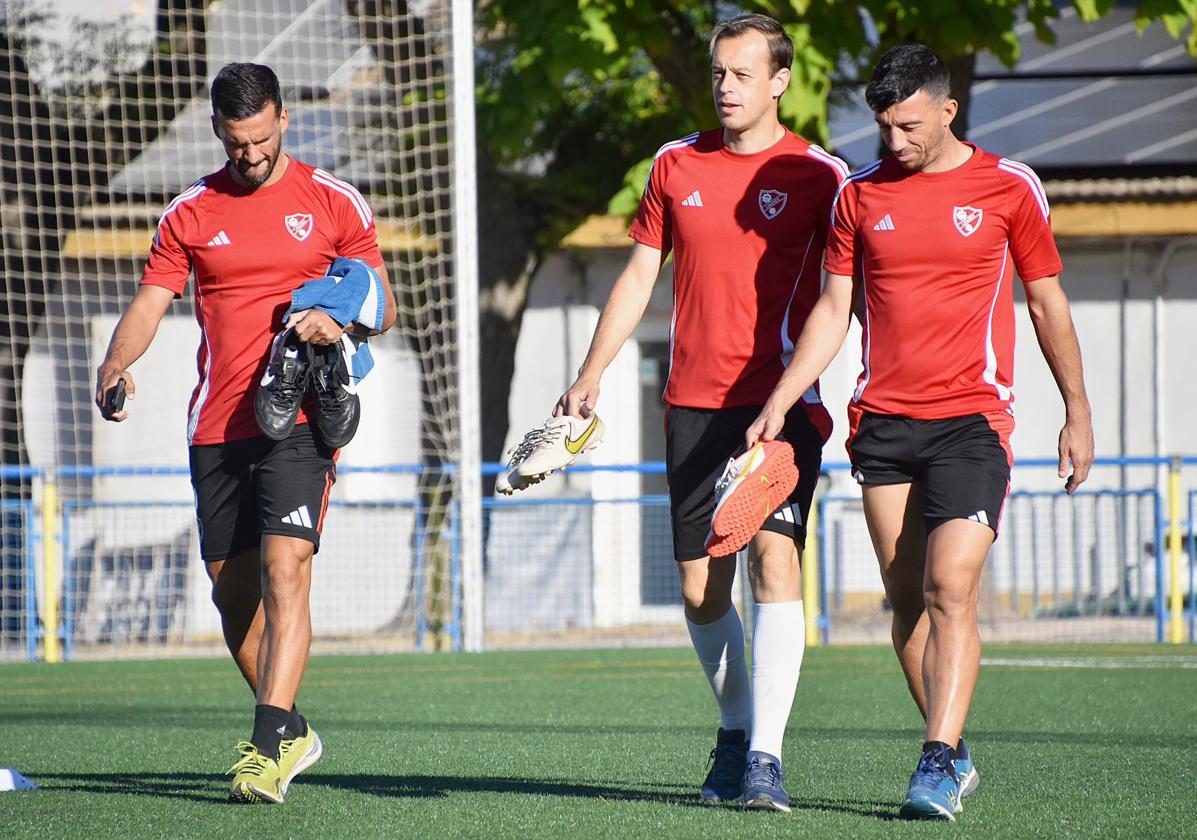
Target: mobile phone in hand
x,y
114,400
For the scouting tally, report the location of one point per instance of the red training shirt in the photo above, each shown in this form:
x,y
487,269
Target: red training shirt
x,y
936,253
249,250
746,232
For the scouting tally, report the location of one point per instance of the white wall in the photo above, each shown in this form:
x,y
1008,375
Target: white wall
x,y
1114,325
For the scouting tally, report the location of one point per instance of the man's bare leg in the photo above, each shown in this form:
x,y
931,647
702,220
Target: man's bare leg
x,y
287,636
956,552
237,594
894,514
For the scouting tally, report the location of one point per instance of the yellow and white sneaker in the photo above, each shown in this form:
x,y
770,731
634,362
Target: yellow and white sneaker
x,y
298,754
550,447
257,779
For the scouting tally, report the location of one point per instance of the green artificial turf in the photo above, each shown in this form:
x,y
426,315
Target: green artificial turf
x,y
1081,741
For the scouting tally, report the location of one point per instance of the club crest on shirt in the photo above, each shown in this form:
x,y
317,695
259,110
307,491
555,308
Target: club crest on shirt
x,y
772,202
299,225
967,219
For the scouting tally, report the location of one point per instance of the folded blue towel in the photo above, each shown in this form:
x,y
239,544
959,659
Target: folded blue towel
x,y
352,292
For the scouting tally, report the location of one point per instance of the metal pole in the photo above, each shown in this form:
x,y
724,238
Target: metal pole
x,y
50,649
1176,625
810,576
465,258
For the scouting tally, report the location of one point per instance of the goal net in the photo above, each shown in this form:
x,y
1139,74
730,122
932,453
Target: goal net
x,y
104,118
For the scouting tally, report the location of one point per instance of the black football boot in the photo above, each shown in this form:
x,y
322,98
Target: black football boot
x,y
276,404
337,411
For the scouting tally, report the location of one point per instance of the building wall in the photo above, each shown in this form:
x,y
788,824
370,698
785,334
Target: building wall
x,y
1113,286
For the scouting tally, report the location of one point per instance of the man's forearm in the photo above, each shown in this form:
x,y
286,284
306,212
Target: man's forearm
x,y
131,338
1057,339
619,318
820,340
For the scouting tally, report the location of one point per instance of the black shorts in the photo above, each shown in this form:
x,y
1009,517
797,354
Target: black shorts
x,y
961,464
247,488
699,443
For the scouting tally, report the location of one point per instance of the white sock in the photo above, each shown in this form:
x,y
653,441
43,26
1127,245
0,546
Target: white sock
x,y
778,642
720,649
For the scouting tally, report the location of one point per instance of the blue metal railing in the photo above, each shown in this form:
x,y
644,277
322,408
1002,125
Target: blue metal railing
x,y
33,538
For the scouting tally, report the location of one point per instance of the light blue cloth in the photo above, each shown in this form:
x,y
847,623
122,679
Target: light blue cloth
x,y
352,292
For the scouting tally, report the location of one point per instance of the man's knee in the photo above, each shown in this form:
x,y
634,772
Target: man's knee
x,y
706,588
904,593
286,565
236,587
951,601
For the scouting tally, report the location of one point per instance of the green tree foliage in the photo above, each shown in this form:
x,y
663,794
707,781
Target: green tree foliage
x,y
576,95
636,71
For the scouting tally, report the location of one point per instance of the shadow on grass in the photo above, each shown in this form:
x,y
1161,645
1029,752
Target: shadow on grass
x,y
416,786
199,787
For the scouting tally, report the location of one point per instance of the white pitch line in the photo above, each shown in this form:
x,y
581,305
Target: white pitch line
x,y
1105,663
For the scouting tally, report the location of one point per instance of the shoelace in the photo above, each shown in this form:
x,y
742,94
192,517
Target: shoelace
x,y
723,760
330,392
250,759
288,388
548,433
929,762
729,475
764,773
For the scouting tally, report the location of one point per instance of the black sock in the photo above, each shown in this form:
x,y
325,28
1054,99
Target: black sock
x,y
296,725
270,723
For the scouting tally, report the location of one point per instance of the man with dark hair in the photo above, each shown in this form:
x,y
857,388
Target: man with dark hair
x,y
744,209
934,233
252,233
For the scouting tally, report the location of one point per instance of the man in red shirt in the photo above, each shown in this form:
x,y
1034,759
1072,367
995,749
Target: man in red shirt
x,y
252,233
744,210
933,235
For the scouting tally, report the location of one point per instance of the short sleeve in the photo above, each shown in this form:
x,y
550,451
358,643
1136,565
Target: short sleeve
x,y
841,236
169,264
652,225
356,233
1031,242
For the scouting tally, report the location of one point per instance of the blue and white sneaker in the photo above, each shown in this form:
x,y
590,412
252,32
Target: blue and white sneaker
x,y
762,783
966,771
725,781
934,792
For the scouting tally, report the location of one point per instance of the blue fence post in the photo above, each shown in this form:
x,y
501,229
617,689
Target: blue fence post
x,y
31,555
420,560
1160,527
1191,601
824,606
455,576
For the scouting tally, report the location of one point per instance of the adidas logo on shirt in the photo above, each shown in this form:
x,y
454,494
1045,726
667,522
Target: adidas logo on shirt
x,y
219,239
692,200
299,517
885,224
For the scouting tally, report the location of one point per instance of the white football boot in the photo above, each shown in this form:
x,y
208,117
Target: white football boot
x,y
548,448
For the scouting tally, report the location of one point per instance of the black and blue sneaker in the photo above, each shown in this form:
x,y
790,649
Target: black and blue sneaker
x,y
934,792
725,781
966,771
762,783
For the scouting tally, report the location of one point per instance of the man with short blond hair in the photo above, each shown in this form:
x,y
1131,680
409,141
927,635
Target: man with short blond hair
x,y
744,210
